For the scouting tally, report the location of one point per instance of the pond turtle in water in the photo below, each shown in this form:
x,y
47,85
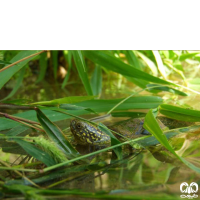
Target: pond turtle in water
x,y
89,134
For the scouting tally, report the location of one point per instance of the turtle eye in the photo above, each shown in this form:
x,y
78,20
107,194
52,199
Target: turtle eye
x,y
78,125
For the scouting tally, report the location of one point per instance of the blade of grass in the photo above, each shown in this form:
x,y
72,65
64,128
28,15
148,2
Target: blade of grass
x,y
2,62
176,70
188,55
68,57
96,80
148,62
179,113
56,135
125,99
160,88
128,114
16,130
118,66
36,153
17,85
55,63
74,107
114,140
72,99
160,64
187,88
80,65
141,83
43,67
21,59
153,127
133,60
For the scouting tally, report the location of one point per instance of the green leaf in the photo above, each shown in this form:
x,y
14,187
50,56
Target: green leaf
x,y
179,113
80,65
55,62
73,99
36,153
161,88
17,85
2,62
141,83
160,64
56,135
132,59
139,102
188,55
128,114
17,130
114,140
96,80
43,66
98,105
118,66
176,68
8,73
148,62
68,57
153,127
74,107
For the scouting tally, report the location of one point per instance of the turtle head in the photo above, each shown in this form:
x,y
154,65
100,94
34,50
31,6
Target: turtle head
x,y
87,133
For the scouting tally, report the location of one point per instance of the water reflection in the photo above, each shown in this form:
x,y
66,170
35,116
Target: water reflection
x,y
140,173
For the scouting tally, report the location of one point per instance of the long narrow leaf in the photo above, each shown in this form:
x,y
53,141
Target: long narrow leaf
x,y
128,114
56,135
43,67
2,62
69,59
188,55
17,85
36,153
160,64
74,107
114,140
160,88
118,66
97,105
8,73
80,65
55,62
73,99
179,113
139,102
141,83
148,62
96,80
153,127
133,60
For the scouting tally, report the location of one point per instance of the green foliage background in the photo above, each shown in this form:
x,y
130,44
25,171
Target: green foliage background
x,y
40,88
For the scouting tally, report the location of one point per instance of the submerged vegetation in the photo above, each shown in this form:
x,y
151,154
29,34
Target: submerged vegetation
x,y
41,91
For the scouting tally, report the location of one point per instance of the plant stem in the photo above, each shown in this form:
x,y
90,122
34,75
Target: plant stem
x,y
23,121
18,118
18,173
15,107
21,60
